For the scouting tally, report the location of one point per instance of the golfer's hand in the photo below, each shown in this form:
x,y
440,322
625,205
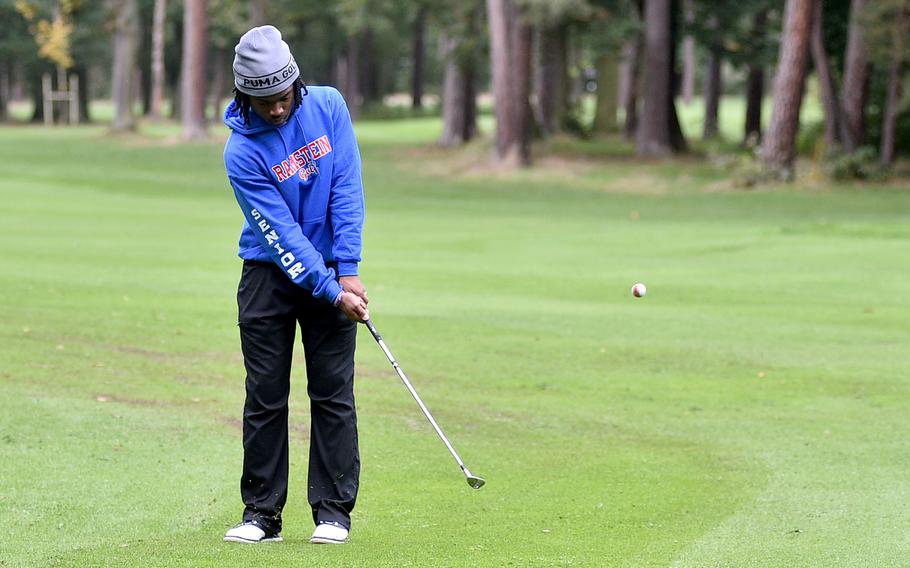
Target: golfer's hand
x,y
353,285
354,307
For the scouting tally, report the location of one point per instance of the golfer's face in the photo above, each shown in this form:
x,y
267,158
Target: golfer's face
x,y
275,109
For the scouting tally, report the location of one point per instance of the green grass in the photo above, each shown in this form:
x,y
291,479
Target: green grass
x,y
751,411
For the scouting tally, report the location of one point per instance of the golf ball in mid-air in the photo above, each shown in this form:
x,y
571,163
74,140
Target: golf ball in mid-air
x,y
639,290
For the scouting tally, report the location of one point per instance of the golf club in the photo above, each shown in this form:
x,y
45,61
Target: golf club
x,y
474,481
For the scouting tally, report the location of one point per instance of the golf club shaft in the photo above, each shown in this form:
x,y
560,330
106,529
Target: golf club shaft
x,y
413,392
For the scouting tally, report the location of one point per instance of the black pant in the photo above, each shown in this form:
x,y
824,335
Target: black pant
x,y
270,308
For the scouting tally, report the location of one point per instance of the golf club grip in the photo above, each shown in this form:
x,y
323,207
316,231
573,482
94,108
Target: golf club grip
x,y
372,329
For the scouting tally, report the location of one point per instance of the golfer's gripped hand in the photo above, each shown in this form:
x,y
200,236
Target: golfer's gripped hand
x,y
353,285
354,307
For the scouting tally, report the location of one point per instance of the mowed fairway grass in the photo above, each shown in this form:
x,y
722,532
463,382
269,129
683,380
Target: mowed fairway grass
x,y
752,410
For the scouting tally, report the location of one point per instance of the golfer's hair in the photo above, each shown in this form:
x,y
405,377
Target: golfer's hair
x,y
242,100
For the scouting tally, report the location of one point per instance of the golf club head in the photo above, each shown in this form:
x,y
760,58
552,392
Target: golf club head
x,y
475,482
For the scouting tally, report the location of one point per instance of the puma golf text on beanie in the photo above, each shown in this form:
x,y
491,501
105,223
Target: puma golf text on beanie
x,y
263,64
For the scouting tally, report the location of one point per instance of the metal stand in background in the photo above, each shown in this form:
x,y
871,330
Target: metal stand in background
x,y
68,92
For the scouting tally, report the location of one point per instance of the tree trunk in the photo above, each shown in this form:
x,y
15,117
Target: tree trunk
x,y
893,98
522,42
174,74
892,107
689,64
126,33
369,77
607,89
258,13
779,150
140,92
500,67
177,99
654,139
194,80
677,138
453,91
712,92
459,99
37,95
84,94
157,87
470,101
420,25
856,79
221,62
552,77
755,90
628,84
755,85
835,131
4,90
510,55
352,93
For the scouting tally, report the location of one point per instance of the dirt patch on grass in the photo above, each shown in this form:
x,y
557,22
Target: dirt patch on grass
x,y
140,402
232,357
609,175
146,353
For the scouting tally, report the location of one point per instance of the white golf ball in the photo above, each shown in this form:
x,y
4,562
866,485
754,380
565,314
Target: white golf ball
x,y
639,290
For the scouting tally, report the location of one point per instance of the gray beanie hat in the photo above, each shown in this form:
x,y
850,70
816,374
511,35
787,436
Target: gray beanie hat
x,y
263,64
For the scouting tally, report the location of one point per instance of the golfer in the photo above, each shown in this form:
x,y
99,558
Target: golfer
x,y
294,164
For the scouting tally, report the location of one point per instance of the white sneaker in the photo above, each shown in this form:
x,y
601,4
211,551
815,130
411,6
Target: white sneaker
x,y
249,533
329,533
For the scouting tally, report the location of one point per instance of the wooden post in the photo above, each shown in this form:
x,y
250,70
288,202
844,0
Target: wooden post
x,y
47,93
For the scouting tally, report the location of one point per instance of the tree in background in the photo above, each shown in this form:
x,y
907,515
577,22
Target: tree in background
x,y
159,19
510,63
755,76
654,125
835,126
553,22
779,147
659,133
227,21
733,33
689,61
886,26
373,30
461,43
856,80
552,73
713,22
123,73
713,79
606,32
18,51
194,76
419,55
629,69
554,49
258,13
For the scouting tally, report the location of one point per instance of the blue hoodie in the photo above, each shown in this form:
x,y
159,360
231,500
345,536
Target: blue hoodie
x,y
300,190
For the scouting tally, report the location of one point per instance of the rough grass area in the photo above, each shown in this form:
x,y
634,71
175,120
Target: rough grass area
x,y
750,411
